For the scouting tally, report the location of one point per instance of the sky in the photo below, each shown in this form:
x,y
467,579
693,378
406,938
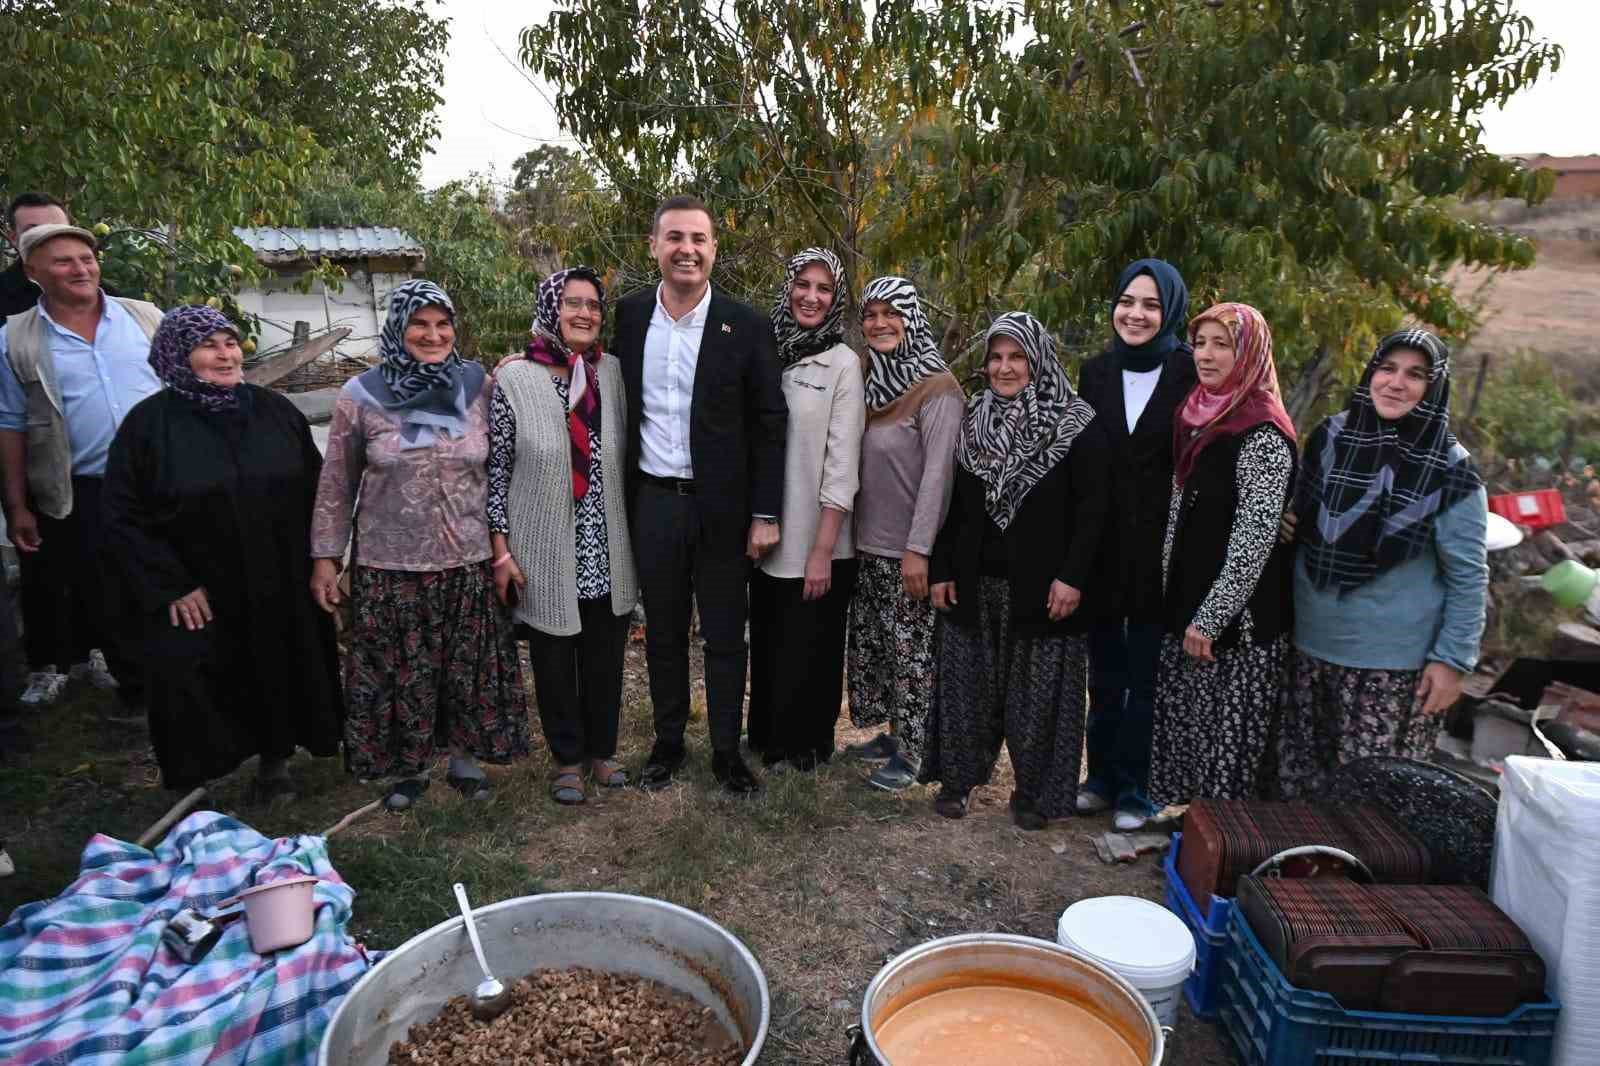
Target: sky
x,y
493,111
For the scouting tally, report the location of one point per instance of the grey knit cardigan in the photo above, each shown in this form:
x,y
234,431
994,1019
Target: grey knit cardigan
x,y
539,504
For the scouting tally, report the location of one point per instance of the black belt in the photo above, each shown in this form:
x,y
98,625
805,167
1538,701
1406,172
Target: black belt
x,y
676,485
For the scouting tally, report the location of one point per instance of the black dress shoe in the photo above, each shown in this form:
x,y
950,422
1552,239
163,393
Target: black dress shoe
x,y
731,772
659,768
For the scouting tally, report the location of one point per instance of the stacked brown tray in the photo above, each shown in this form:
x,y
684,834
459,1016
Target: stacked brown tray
x,y
1414,949
1223,840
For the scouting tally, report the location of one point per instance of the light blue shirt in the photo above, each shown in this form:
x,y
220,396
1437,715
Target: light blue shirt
x,y
99,383
1429,609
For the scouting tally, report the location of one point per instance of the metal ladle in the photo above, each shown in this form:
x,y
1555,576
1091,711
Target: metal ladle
x,y
490,998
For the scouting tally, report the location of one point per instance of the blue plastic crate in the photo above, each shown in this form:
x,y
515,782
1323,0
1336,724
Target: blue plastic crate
x,y
1210,936
1272,1023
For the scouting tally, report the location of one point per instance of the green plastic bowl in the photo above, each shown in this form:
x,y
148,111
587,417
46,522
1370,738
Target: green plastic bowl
x,y
1570,583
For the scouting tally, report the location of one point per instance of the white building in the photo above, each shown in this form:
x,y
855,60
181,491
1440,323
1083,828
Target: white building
x,y
374,259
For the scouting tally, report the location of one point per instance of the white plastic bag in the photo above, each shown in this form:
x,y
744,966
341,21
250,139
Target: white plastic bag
x,y
1547,879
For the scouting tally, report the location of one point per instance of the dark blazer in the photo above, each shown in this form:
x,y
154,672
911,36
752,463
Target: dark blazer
x,y
1129,582
1055,535
738,420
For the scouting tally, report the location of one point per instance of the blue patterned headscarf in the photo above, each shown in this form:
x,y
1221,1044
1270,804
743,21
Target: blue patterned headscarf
x,y
181,331
428,398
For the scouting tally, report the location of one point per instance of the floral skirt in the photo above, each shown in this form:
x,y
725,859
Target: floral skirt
x,y
991,686
1337,714
890,653
1216,723
433,662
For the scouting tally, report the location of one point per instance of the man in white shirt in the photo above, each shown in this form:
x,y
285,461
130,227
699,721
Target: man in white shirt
x,y
707,424
70,370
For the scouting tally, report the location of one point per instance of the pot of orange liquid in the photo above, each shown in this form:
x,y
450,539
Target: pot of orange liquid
x,y
993,998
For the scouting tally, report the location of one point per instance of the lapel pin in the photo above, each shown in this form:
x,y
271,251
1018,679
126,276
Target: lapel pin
x,y
727,328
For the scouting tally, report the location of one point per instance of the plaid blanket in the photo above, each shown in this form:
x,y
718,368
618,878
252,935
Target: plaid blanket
x,y
84,978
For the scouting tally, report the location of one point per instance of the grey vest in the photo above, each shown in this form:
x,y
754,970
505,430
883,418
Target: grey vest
x,y
539,502
49,452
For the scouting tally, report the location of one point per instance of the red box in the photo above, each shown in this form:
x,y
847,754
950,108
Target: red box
x,y
1538,509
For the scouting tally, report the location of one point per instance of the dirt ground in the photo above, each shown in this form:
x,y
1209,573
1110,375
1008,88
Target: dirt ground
x,y
824,878
1553,308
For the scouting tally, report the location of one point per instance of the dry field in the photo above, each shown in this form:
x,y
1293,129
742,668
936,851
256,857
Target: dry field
x,y
1552,309
824,878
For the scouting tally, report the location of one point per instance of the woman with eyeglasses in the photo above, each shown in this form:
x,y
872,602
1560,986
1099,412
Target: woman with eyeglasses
x,y
558,525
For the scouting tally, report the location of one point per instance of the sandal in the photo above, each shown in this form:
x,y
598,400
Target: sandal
x,y
473,788
566,788
403,794
608,773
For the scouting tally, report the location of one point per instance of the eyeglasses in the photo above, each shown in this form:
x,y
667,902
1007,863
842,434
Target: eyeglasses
x,y
579,303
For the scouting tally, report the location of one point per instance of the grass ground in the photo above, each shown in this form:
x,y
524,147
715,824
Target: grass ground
x,y
822,877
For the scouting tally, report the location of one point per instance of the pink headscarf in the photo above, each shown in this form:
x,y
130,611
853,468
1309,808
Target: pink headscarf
x,y
1247,398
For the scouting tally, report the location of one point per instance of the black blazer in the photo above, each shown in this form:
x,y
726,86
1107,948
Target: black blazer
x,y
1055,535
738,420
1129,575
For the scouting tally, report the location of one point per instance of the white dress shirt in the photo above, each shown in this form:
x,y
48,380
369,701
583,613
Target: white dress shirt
x,y
1137,388
671,353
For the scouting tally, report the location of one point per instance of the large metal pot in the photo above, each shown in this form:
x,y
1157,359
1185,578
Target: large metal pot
x,y
600,930
1000,956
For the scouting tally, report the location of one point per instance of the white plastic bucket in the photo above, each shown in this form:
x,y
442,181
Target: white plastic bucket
x,y
279,914
1145,943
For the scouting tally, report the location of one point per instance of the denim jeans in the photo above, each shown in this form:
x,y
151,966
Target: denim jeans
x,y
1123,655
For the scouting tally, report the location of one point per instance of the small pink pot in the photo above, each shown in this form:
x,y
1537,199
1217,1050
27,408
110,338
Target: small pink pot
x,y
279,914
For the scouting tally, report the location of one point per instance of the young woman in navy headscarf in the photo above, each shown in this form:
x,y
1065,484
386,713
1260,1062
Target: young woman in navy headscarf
x,y
1135,387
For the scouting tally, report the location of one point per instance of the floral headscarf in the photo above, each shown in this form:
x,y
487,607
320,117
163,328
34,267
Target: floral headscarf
x,y
181,331
1247,398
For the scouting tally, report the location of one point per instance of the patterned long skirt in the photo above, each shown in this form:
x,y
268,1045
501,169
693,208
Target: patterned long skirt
x,y
1216,723
991,686
433,663
890,659
1336,714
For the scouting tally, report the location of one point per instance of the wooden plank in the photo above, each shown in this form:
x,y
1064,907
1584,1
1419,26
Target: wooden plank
x,y
282,365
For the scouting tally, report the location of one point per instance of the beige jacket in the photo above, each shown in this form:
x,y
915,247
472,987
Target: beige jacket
x,y
822,460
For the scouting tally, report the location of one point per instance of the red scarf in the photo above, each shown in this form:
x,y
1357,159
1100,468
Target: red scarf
x,y
583,403
1248,396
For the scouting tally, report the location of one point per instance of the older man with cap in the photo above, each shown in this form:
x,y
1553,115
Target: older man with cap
x,y
70,370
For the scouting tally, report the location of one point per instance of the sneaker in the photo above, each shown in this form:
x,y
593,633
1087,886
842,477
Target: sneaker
x,y
44,687
7,867
897,774
1129,821
95,671
1089,802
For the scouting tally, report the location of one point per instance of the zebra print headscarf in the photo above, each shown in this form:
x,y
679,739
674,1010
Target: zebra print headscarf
x,y
1012,444
795,342
914,358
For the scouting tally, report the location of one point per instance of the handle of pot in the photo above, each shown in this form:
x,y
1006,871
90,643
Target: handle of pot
x,y
1273,865
860,1053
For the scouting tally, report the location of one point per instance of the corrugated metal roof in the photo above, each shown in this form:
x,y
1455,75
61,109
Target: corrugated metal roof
x,y
289,243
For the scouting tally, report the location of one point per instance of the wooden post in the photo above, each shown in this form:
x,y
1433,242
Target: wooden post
x,y
167,820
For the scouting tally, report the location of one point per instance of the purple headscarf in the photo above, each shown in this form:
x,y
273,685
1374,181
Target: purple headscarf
x,y
181,331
